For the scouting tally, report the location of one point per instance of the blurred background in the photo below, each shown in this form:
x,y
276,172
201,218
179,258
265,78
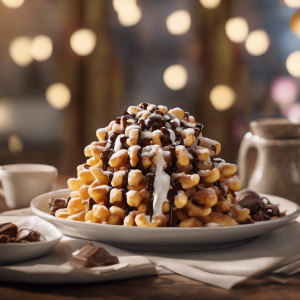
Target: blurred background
x,y
69,67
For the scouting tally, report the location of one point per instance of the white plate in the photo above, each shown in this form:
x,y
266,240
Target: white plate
x,y
17,252
164,238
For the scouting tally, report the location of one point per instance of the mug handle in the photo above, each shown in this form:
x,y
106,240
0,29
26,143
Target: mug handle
x,y
249,141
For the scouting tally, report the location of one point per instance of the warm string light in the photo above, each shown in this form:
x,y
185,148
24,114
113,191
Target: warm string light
x,y
210,4
129,13
293,64
58,95
123,6
20,51
23,50
13,3
83,41
222,97
15,144
175,77
237,29
257,42
41,47
292,3
178,22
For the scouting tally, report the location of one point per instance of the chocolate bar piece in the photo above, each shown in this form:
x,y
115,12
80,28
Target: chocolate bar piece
x,y
90,256
9,229
29,235
260,207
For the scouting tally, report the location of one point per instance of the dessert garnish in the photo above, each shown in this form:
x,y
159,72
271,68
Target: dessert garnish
x,y
260,207
57,203
152,167
9,233
29,235
90,256
8,229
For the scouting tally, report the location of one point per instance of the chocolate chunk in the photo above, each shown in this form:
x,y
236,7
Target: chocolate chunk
x,y
29,235
4,239
56,204
250,200
90,256
260,207
9,229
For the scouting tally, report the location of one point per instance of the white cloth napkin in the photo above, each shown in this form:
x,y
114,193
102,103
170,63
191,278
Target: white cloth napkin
x,y
277,252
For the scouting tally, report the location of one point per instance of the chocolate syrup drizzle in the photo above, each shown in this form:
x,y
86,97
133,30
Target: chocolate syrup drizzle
x,y
215,161
150,178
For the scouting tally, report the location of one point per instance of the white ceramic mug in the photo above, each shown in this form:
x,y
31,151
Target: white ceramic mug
x,y
23,182
277,168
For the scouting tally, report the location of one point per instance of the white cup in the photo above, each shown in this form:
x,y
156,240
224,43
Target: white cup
x,y
23,182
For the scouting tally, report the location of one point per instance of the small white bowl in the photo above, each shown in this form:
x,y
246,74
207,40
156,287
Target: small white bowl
x,y
18,252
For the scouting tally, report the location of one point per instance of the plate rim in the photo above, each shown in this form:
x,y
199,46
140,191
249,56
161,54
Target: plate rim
x,y
49,217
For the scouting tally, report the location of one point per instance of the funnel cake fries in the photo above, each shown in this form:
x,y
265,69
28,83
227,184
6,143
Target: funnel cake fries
x,y
151,168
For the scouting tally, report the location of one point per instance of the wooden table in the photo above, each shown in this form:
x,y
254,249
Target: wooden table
x,y
155,287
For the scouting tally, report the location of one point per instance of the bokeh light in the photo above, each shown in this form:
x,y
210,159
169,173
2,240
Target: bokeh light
x,y
15,144
13,3
175,77
258,42
210,4
293,111
292,3
293,64
20,51
295,23
178,22
83,41
284,90
41,47
58,95
237,29
222,97
130,17
123,6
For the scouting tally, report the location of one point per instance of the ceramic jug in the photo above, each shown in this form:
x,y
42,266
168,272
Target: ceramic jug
x,y
277,168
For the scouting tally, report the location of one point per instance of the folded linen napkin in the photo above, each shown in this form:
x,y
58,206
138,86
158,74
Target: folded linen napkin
x,y
277,252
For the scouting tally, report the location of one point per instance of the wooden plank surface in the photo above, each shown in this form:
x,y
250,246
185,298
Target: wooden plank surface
x,y
162,287
155,287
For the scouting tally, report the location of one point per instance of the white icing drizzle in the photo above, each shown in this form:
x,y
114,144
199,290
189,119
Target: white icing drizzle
x,y
172,135
177,121
118,144
168,125
161,184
